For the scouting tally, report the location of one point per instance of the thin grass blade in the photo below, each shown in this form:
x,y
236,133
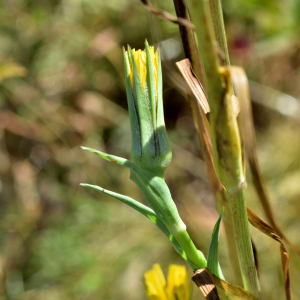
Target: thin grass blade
x,y
212,260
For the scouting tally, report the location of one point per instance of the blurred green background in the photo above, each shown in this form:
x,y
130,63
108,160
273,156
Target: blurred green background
x,y
62,86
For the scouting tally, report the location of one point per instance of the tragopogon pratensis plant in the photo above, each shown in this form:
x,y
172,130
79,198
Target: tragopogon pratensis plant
x,y
151,154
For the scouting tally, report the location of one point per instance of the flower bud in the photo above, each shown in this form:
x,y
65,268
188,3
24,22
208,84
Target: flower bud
x,y
150,145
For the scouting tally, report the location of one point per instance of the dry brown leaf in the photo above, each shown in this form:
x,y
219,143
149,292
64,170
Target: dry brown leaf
x,y
166,16
185,68
269,231
228,291
214,288
205,282
255,253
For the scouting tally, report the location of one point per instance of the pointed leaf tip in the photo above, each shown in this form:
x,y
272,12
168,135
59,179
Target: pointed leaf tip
x,y
84,184
212,259
109,157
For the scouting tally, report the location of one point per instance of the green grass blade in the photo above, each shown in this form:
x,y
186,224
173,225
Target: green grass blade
x,y
212,260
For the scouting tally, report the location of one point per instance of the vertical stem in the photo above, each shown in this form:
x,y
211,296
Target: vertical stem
x,y
191,52
218,21
188,40
229,230
243,241
196,257
201,18
226,151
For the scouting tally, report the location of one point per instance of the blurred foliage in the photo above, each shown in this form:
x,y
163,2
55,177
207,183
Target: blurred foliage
x,y
61,241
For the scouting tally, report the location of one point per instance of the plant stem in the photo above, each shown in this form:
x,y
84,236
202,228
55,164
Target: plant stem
x,y
227,154
243,241
188,40
196,257
218,21
201,18
229,230
191,52
220,33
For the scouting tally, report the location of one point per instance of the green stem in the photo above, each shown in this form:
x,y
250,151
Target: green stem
x,y
220,34
218,21
243,241
191,52
184,240
201,18
229,229
226,150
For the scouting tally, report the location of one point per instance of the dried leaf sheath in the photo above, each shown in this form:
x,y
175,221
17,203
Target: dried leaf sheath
x,y
214,288
166,16
269,231
194,84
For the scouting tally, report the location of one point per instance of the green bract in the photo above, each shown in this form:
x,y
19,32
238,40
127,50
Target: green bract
x,y
150,145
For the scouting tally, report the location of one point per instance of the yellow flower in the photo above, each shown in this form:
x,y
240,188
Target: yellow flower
x,y
177,287
150,148
141,62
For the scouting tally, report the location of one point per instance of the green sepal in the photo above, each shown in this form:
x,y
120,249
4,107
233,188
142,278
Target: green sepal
x,y
164,147
147,212
212,259
136,148
152,93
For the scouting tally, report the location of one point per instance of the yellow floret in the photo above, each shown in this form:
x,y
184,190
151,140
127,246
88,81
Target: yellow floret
x,y
141,62
177,287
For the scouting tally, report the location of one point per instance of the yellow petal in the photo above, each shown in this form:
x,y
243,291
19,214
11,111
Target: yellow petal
x,y
178,287
141,62
155,284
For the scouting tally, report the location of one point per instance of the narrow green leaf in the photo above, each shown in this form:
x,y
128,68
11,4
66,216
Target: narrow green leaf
x,y
147,212
158,197
212,259
112,158
154,189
